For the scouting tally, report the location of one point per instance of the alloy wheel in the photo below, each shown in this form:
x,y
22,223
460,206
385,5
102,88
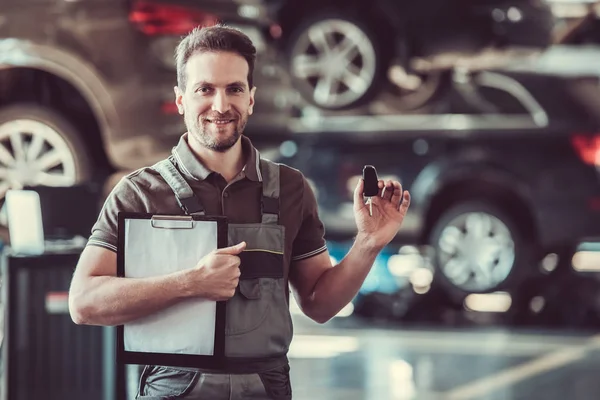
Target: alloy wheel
x,y
33,153
336,61
476,251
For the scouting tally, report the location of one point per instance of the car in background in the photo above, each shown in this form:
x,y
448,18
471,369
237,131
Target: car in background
x,y
495,197
343,54
86,87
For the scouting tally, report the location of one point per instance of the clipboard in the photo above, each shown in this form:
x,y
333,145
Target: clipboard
x,y
190,333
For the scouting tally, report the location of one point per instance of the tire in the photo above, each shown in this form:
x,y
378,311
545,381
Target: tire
x,y
367,57
40,131
472,225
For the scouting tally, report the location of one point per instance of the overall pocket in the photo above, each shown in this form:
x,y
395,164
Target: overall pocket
x,y
258,320
277,382
248,308
159,382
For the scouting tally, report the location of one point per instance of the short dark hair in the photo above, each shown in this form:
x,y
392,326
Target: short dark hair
x,y
214,39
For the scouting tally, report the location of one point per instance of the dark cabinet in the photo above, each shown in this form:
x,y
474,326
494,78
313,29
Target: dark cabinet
x,y
45,355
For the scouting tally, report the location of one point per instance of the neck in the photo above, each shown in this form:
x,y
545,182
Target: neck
x,y
228,164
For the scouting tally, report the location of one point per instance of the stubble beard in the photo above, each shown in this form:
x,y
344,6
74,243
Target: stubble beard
x,y
200,132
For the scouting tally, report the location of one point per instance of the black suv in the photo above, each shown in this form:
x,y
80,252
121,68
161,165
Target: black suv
x,y
492,195
343,54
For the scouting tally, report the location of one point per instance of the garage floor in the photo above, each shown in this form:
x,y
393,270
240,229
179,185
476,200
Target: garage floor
x,y
350,361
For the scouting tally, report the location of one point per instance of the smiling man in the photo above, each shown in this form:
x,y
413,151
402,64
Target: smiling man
x,y
215,108
276,238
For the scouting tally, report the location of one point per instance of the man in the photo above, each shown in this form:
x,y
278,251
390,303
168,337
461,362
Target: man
x,y
272,207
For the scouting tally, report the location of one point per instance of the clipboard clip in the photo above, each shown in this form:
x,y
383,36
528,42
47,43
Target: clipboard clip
x,y
172,221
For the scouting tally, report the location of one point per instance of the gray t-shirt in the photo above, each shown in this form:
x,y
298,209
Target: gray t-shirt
x,y
145,191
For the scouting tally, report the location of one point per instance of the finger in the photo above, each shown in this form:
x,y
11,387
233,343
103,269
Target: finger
x,y
388,190
358,195
405,202
381,186
233,250
235,274
397,194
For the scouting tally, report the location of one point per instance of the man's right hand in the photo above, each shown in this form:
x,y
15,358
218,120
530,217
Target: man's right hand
x,y
217,274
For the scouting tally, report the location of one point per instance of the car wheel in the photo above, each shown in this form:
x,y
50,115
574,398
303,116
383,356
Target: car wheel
x,y
478,249
335,61
38,147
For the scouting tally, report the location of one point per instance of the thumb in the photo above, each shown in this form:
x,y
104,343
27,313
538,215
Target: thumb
x,y
233,250
358,197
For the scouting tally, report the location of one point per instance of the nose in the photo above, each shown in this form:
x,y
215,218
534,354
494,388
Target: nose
x,y
220,102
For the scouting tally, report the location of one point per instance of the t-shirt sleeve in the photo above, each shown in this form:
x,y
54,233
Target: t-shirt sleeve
x,y
310,239
125,197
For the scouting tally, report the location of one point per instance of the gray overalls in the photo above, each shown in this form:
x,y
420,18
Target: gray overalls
x,y
258,328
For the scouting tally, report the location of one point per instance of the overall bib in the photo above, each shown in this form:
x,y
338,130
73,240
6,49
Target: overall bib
x,y
258,328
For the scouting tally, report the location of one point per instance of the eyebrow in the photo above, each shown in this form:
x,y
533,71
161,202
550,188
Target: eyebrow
x,y
232,84
237,83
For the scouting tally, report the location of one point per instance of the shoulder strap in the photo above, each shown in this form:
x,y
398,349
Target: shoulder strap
x,y
270,187
189,203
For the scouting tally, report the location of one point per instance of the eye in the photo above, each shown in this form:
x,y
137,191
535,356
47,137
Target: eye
x,y
203,89
236,89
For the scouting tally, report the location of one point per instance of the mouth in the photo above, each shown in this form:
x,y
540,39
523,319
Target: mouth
x,y
219,122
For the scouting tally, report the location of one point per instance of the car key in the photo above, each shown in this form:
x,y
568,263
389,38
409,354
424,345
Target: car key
x,y
371,187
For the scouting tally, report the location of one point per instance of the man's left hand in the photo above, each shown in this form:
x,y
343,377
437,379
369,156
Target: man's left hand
x,y
389,208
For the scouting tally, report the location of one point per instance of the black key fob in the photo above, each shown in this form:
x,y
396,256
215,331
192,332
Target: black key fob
x,y
370,188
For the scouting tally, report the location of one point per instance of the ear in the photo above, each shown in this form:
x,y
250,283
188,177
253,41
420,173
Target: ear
x,y
179,99
251,107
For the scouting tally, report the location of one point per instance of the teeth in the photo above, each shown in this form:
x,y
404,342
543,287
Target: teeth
x,y
219,122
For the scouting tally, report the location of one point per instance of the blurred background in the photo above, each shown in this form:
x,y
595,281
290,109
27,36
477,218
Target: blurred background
x,y
488,111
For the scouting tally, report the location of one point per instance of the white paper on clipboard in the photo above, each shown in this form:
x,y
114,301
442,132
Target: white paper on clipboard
x,y
157,249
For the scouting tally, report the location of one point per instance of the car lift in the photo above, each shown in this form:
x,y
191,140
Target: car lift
x,y
466,84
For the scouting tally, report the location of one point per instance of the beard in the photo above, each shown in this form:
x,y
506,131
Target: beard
x,y
203,131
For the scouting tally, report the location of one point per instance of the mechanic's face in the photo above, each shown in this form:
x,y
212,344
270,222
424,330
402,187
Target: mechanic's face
x,y
217,100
